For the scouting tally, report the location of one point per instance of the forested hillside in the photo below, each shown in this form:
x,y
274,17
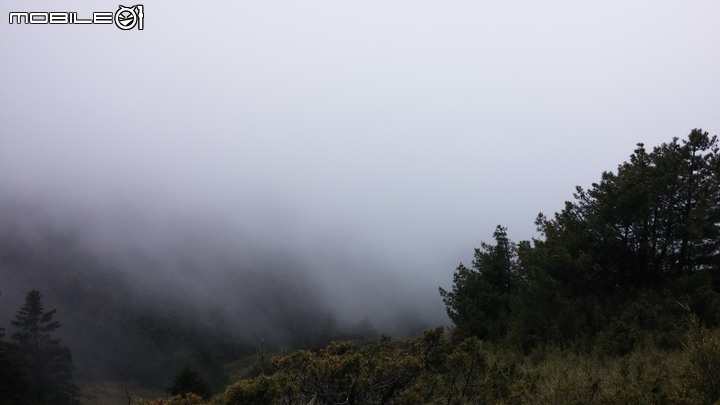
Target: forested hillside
x,y
614,267
616,301
130,320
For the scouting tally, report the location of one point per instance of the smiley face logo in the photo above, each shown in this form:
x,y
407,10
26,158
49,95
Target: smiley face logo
x,y
126,18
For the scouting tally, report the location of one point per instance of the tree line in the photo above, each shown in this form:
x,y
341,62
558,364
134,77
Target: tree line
x,y
613,268
617,301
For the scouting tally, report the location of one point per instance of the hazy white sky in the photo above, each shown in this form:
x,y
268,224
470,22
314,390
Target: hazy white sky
x,y
396,133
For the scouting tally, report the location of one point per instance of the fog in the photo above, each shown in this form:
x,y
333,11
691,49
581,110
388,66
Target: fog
x,y
365,147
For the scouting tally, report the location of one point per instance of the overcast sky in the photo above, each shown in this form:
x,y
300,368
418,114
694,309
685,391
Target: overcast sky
x,y
396,133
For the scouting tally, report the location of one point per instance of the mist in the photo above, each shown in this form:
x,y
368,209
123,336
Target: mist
x,y
350,152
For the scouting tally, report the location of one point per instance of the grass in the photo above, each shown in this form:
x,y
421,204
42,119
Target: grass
x,y
648,375
114,392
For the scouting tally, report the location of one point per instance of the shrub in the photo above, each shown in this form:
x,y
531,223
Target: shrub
x,y
186,399
260,390
703,349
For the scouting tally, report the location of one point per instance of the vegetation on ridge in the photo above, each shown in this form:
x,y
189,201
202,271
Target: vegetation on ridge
x,y
617,301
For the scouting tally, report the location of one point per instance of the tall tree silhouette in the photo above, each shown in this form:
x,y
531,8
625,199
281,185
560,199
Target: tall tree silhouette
x,y
47,364
610,268
479,302
13,385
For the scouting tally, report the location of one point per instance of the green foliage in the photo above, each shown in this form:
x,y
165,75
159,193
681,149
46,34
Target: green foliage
x,y
260,390
610,267
703,348
184,399
434,368
479,303
188,380
601,288
656,218
644,377
588,313
48,365
428,369
465,365
341,372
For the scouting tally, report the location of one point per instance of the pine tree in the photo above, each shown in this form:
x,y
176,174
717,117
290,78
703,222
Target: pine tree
x,y
189,380
479,302
13,384
47,364
654,220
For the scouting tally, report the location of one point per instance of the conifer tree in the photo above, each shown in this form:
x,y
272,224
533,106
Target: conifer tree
x,y
187,381
47,364
479,302
13,384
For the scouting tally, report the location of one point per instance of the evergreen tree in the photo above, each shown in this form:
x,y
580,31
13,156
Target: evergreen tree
x,y
13,384
610,267
479,302
189,380
657,218
47,364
